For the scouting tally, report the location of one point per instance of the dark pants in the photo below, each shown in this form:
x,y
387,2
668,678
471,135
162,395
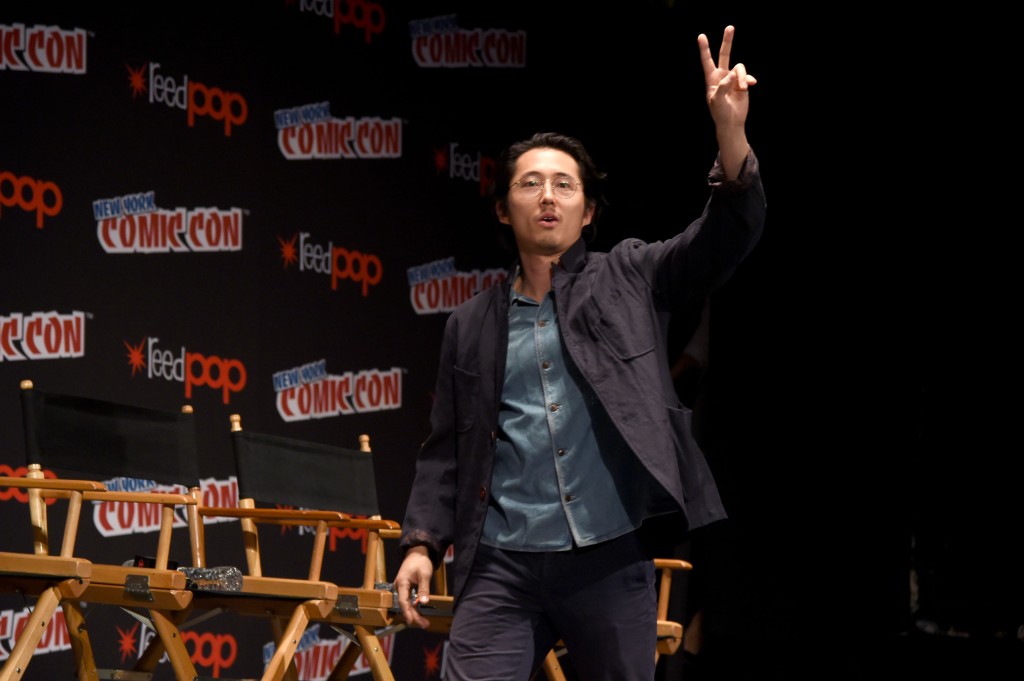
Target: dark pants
x,y
600,600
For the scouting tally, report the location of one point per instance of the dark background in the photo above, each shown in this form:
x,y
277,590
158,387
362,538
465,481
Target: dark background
x,y
848,417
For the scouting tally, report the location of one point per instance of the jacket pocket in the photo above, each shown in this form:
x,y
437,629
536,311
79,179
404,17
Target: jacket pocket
x,y
623,324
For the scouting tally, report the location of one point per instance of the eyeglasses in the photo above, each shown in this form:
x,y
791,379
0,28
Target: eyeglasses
x,y
531,185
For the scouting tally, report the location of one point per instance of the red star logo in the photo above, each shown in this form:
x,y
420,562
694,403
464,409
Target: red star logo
x,y
285,529
137,79
432,661
289,253
126,641
135,355
441,159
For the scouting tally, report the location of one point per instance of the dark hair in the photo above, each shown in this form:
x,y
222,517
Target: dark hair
x,y
593,179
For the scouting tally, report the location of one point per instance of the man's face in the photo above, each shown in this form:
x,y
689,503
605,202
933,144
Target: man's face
x,y
546,224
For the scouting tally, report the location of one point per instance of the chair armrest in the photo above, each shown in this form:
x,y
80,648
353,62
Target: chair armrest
x,y
164,498
667,566
40,489
384,526
277,516
56,484
167,500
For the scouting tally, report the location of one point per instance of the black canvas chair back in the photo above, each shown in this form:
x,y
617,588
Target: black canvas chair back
x,y
329,474
97,439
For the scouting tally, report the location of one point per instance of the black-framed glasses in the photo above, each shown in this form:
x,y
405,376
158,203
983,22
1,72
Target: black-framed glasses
x,y
531,185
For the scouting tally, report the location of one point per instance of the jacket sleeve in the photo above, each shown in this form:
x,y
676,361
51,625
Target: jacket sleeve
x,y
704,255
430,513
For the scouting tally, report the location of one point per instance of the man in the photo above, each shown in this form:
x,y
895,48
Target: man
x,y
557,439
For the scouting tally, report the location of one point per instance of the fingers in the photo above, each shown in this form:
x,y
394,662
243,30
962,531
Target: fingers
x,y
416,571
409,576
724,85
411,616
735,81
739,73
713,71
705,56
725,51
402,588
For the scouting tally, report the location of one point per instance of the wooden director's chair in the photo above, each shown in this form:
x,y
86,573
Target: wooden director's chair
x,y
290,482
47,580
96,440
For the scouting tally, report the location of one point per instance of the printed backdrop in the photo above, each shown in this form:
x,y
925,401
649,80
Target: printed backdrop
x,y
270,207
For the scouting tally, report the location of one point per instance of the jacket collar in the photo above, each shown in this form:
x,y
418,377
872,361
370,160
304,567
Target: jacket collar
x,y
572,259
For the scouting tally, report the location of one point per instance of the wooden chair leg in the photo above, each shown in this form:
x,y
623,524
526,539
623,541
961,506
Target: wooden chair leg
x,y
81,645
284,655
374,653
343,667
168,632
553,668
21,654
154,652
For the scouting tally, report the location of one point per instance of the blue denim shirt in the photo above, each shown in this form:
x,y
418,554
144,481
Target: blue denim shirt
x,y
558,463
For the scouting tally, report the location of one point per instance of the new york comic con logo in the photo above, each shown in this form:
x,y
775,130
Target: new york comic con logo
x,y
13,622
439,42
438,287
42,335
122,518
42,49
310,131
308,392
133,223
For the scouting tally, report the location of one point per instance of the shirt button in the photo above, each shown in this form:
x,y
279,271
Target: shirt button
x,y
483,493
562,452
545,364
542,323
554,407
568,497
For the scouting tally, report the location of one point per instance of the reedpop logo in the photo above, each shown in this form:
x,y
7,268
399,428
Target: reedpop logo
x,y
191,368
41,197
336,262
197,99
360,14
